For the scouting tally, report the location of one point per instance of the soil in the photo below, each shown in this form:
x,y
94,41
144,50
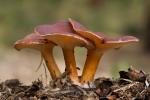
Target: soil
x,y
131,85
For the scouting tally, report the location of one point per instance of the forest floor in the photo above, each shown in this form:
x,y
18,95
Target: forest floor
x,y
131,85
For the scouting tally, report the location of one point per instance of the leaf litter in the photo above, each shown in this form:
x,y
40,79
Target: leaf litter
x,y
131,85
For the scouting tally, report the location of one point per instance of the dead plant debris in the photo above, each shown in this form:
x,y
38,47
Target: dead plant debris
x,y
131,85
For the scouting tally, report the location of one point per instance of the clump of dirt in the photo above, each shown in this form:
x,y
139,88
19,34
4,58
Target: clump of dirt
x,y
132,85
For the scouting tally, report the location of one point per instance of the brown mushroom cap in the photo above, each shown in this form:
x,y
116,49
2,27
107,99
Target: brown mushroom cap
x,y
117,42
123,39
62,34
59,27
100,40
32,41
96,37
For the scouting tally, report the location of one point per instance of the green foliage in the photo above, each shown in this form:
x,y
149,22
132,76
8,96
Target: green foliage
x,y
118,67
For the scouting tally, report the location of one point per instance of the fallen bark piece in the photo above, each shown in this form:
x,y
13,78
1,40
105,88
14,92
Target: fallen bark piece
x,y
133,74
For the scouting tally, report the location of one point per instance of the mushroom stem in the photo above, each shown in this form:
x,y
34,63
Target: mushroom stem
x,y
90,67
50,62
71,64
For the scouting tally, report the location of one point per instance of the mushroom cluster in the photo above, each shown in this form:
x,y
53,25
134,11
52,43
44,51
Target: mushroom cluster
x,y
68,34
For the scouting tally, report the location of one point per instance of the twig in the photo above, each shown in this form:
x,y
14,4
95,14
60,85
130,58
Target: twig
x,y
45,72
39,64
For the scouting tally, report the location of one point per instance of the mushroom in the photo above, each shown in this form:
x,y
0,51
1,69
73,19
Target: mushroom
x,y
35,41
63,35
68,41
102,44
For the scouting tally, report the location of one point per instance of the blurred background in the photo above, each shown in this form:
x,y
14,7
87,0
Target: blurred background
x,y
114,18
